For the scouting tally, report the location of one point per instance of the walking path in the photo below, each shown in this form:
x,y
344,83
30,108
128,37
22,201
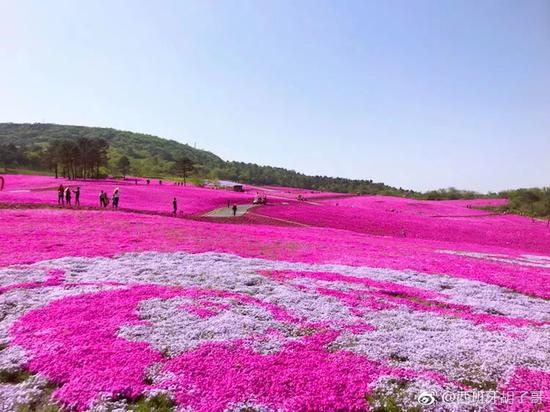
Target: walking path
x,y
228,211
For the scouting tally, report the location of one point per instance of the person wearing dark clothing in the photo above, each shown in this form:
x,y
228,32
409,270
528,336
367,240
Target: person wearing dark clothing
x,y
148,181
234,210
103,199
77,196
116,197
68,196
175,206
60,195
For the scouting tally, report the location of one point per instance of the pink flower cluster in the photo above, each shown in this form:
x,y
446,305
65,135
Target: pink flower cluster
x,y
74,342
450,221
355,299
32,235
20,189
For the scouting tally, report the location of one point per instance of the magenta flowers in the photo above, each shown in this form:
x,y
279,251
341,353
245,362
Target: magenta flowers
x,y
375,301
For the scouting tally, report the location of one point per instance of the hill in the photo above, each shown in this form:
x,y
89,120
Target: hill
x,y
149,154
154,156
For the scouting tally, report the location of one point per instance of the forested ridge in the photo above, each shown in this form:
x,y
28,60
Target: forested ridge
x,y
80,151
26,146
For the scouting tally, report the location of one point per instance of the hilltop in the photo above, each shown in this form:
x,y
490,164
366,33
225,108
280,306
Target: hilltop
x,y
155,156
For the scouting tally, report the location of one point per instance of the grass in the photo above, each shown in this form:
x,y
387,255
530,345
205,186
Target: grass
x,y
158,403
482,386
14,377
43,403
11,171
388,403
510,210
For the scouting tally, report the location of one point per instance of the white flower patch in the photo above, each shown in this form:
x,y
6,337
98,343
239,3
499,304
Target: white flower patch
x,y
402,337
172,329
105,404
22,274
408,394
210,270
12,358
525,260
15,396
453,347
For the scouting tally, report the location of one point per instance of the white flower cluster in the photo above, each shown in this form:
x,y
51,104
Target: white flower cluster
x,y
458,348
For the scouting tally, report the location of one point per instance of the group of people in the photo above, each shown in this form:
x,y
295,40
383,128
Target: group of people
x,y
260,199
148,181
104,199
64,196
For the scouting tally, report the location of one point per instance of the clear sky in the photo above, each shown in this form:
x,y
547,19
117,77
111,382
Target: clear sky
x,y
418,94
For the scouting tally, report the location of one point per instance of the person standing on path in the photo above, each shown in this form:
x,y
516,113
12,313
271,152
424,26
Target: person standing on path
x,y
175,206
77,197
60,195
102,199
234,210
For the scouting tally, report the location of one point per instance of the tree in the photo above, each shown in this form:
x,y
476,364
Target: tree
x,y
52,156
99,154
123,165
9,155
68,151
82,158
183,167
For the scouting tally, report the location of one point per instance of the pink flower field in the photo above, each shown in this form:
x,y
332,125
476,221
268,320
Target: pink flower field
x,y
134,196
336,304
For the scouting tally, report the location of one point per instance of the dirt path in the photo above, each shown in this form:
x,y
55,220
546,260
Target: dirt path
x,y
228,211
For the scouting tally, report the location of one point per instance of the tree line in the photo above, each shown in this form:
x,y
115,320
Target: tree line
x,y
155,157
531,202
84,158
80,158
91,152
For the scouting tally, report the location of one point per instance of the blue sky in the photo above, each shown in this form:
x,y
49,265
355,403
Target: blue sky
x,y
418,94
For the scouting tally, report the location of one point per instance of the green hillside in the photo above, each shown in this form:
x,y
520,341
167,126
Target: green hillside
x,y
155,157
148,154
